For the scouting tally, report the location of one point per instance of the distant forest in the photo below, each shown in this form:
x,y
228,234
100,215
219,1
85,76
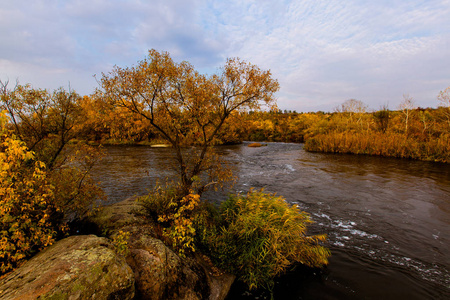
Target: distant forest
x,y
409,132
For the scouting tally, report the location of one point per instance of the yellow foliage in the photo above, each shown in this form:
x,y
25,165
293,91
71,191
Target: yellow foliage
x,y
260,236
383,144
186,107
26,206
120,241
181,233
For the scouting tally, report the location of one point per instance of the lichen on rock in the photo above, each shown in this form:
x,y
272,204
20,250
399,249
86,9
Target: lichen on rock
x,y
78,267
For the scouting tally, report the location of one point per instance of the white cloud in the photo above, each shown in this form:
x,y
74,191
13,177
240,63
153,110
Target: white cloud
x,y
322,52
329,51
87,38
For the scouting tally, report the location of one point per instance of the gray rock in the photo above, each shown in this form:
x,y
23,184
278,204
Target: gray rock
x,y
78,267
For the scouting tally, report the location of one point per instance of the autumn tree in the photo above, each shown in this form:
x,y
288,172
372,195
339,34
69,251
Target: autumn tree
x,y
406,106
44,121
188,108
47,125
444,98
353,107
444,102
27,209
108,124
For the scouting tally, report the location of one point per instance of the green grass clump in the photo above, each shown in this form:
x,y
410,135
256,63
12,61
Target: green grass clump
x,y
260,235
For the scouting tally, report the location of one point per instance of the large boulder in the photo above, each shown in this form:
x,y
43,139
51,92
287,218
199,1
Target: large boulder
x,y
78,267
159,272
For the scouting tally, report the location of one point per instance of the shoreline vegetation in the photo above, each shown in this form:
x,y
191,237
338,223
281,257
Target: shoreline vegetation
x,y
49,143
380,133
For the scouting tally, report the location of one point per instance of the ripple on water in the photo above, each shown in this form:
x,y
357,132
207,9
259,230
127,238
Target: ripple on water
x,y
338,236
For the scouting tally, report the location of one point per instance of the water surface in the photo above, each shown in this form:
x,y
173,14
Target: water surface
x,y
387,220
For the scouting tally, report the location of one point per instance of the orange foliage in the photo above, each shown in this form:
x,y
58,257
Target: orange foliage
x,y
186,107
410,133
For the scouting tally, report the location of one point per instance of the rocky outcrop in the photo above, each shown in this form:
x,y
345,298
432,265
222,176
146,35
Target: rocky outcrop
x,y
159,272
78,267
114,217
88,267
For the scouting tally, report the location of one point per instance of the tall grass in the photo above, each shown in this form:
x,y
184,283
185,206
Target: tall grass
x,y
260,235
384,144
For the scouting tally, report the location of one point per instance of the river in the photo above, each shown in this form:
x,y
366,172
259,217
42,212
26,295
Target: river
x,y
387,220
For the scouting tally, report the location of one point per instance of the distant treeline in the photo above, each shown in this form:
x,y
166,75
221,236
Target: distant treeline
x,y
413,133
407,132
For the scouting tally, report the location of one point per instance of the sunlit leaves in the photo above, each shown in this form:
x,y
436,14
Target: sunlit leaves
x,y
186,107
176,214
411,132
27,210
44,172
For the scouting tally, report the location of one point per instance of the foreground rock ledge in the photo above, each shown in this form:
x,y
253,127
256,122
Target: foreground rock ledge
x,y
78,267
159,272
88,267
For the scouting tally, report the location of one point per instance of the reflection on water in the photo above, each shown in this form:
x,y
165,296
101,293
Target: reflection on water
x,y
132,170
387,219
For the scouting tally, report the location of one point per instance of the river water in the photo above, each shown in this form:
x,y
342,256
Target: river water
x,y
387,220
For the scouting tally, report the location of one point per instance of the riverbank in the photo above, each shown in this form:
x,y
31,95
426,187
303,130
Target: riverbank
x,y
366,143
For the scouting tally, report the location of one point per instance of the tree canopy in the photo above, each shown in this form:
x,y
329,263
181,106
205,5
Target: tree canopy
x,y
186,107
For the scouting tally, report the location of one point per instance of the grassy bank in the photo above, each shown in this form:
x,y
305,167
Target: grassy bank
x,y
382,144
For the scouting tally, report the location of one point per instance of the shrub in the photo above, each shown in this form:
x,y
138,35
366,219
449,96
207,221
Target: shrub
x,y
176,214
29,218
160,201
384,144
37,202
256,237
260,236
120,241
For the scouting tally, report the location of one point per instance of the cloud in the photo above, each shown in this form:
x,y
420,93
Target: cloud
x,y
325,52
322,52
46,37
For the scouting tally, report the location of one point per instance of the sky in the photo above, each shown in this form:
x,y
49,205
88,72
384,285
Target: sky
x,y
321,52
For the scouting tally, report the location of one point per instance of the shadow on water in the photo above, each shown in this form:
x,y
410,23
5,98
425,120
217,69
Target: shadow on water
x,y
387,220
